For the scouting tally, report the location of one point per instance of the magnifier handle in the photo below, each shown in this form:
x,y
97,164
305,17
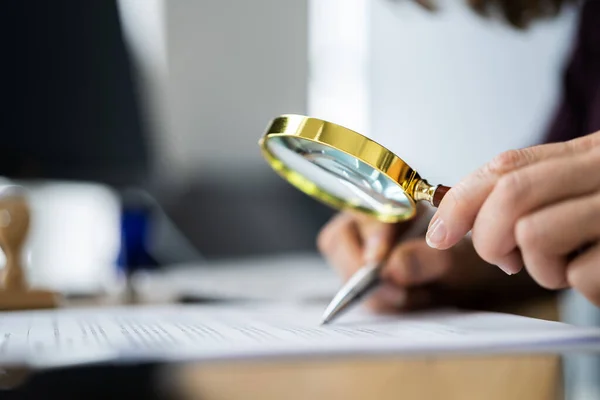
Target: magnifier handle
x,y
438,195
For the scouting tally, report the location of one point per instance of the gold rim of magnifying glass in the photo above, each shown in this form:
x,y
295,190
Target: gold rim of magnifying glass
x,y
354,144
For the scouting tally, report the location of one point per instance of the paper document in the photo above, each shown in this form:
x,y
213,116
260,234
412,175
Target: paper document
x,y
54,338
290,277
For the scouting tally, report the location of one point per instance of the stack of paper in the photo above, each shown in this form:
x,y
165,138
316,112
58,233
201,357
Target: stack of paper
x,y
56,338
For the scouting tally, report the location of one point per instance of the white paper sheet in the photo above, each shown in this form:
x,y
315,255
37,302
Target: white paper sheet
x,y
290,277
203,333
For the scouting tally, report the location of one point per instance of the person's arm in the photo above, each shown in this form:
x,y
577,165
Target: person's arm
x,y
575,111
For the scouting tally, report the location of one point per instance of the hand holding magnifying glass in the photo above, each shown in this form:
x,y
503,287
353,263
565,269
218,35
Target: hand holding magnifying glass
x,y
346,170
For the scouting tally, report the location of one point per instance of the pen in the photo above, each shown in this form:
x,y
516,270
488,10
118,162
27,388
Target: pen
x,y
368,277
361,283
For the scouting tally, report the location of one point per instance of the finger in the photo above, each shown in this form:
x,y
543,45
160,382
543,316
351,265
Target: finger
x,y
583,276
389,299
418,299
413,263
457,211
522,191
377,237
547,237
340,244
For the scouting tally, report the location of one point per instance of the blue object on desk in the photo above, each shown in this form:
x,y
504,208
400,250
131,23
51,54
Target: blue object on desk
x,y
134,254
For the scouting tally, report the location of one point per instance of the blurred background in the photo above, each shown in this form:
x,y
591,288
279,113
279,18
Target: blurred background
x,y
159,104
135,123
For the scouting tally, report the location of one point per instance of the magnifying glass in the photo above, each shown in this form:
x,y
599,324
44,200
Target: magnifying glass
x,y
345,169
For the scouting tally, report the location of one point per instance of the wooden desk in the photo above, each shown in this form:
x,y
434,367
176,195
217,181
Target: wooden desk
x,y
501,377
530,377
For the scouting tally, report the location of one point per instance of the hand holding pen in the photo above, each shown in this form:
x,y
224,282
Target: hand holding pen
x,y
412,274
350,171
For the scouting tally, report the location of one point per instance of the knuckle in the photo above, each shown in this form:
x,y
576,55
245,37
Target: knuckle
x,y
508,161
481,174
595,155
376,228
584,143
396,267
526,233
395,257
510,187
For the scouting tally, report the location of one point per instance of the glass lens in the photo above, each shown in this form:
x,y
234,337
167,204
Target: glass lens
x,y
341,175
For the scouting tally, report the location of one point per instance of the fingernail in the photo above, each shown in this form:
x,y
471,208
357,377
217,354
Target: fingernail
x,y
506,269
392,295
436,233
372,248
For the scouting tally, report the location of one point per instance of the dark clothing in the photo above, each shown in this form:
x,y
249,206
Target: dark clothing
x,y
579,111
